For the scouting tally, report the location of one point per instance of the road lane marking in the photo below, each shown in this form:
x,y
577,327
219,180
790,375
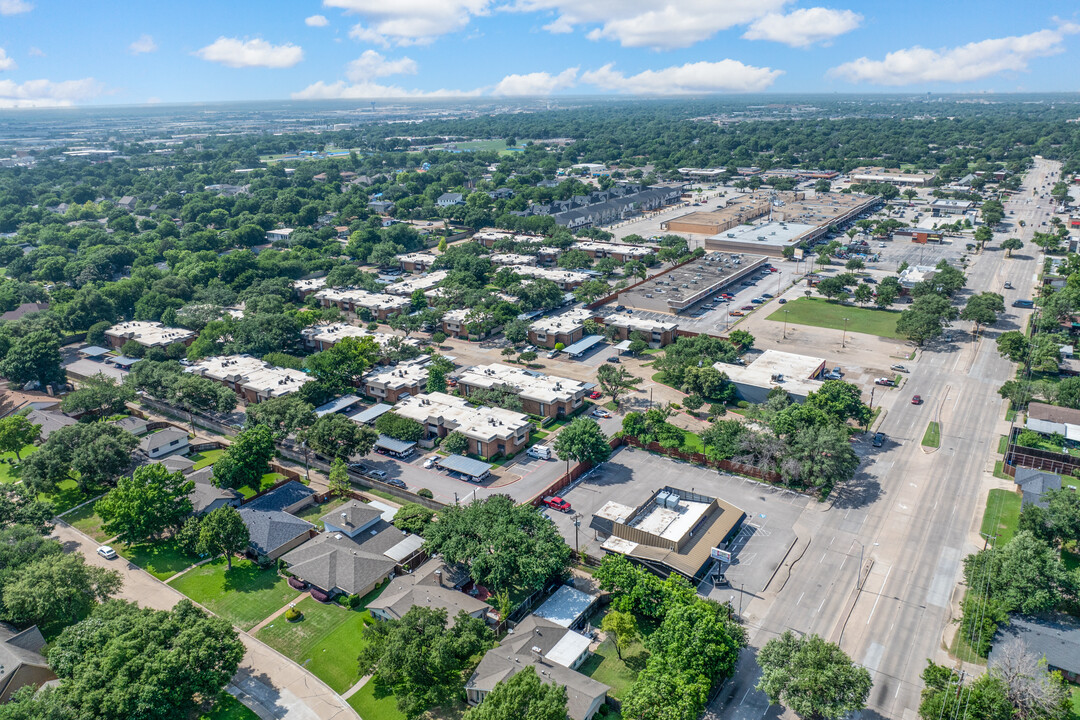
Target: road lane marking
x,y
880,591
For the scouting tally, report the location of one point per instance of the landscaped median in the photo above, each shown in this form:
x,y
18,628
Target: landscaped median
x,y
932,437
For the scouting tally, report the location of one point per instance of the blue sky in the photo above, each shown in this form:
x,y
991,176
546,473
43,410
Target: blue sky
x,y
71,52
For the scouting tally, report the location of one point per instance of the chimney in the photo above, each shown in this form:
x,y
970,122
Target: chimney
x,y
438,577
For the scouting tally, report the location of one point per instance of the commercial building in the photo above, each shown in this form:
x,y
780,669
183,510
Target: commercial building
x,y
380,305
686,285
323,337
736,211
949,206
416,261
390,384
565,279
554,652
890,176
767,239
622,253
919,235
673,531
491,431
566,328
544,395
821,209
250,378
148,334
655,332
915,274
489,236
797,374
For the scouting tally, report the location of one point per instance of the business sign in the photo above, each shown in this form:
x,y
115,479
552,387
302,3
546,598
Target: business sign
x,y
721,555
799,252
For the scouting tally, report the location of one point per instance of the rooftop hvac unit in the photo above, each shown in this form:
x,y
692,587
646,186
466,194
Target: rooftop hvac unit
x,y
662,498
673,500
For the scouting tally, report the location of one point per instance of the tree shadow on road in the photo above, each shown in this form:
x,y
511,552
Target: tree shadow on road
x,y
862,490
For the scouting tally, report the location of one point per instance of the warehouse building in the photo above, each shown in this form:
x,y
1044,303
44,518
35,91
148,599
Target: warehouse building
x,y
686,285
767,239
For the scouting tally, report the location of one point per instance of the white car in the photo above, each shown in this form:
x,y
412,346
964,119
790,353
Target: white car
x,y
429,463
106,552
601,413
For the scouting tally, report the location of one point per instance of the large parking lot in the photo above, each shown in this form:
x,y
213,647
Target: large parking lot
x,y
632,475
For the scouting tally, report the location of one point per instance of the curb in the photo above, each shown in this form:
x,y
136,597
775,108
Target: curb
x,y
782,561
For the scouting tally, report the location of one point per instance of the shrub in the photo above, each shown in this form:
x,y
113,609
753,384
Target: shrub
x,y
438,337
693,402
319,595
297,584
352,600
292,615
560,346
425,493
717,409
742,404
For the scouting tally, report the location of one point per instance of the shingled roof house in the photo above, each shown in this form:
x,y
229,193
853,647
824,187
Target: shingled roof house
x,y
274,530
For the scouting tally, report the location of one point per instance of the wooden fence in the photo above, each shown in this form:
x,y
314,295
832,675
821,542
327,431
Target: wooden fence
x,y
699,459
1020,456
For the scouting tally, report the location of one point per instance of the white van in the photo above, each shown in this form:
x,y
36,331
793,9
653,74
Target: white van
x,y
540,452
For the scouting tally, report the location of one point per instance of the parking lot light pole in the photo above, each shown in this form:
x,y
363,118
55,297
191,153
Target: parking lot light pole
x,y
843,341
577,524
785,323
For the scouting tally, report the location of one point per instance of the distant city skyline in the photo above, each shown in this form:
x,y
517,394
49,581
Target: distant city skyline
x,y
65,53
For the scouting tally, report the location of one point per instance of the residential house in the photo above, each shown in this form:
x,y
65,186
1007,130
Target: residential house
x,y
554,652
357,552
450,199
279,235
133,424
1053,419
1056,638
22,663
250,378
50,421
433,585
381,206
127,203
544,395
206,497
491,431
1034,483
566,328
164,442
273,529
148,334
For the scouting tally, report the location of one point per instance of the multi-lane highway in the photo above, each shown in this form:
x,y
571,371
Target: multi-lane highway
x,y
879,567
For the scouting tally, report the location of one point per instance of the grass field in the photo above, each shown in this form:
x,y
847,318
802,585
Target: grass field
x,y
692,443
162,559
68,495
364,702
229,708
1003,444
999,470
932,436
265,483
606,667
1002,515
818,312
207,457
86,520
326,641
8,474
244,595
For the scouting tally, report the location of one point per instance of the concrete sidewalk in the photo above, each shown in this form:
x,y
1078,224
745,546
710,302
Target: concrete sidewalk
x,y
269,683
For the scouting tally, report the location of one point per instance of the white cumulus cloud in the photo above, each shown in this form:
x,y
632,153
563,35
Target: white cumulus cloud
x,y
372,64
46,93
691,78
409,22
316,21
6,63
803,27
342,90
661,24
537,83
966,63
14,7
237,53
35,52
145,44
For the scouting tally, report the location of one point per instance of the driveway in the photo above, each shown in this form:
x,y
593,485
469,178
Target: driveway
x,y
267,682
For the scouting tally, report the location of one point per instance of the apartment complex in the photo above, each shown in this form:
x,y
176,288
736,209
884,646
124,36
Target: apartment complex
x,y
545,395
148,334
304,288
380,305
408,286
250,378
566,328
622,253
491,431
655,332
390,384
565,279
416,262
324,337
466,323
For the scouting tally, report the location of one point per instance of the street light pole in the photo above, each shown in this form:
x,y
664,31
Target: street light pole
x,y
785,323
577,524
843,341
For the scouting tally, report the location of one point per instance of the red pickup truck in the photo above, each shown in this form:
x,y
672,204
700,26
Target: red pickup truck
x,y
557,503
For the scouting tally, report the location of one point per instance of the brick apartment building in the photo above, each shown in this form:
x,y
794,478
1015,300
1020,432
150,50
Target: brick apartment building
x,y
148,334
491,431
545,395
567,329
389,384
250,378
380,305
656,333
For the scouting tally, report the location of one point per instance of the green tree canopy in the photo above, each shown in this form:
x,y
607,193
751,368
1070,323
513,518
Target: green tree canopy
x,y
145,504
813,678
56,589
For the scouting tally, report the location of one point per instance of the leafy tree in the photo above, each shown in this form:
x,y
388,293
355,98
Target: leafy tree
x,y
401,428
831,287
841,400
34,357
283,415
614,381
854,264
1013,345
983,309
591,290
1016,392
146,504
1026,574
819,456
223,531
1010,244
504,544
412,517
419,659
918,325
339,484
522,696
57,589
582,441
723,439
184,657
341,367
456,443
16,432
575,260
436,380
945,694
98,396
97,452
246,460
863,294
622,627
742,338
527,357
337,436
813,678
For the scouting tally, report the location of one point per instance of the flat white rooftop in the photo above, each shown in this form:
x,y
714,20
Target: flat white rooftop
x,y
334,332
672,523
512,259
363,298
773,233
309,284
638,251
566,322
149,334
796,371
529,385
641,324
555,275
420,282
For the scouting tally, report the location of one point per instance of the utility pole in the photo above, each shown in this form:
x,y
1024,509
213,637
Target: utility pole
x,y
303,444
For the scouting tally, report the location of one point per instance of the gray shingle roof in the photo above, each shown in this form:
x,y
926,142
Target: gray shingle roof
x,y
270,529
163,438
352,516
288,494
49,420
1057,638
334,560
205,493
1036,482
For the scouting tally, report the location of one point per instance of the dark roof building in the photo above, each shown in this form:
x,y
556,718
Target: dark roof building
x,y
206,496
433,585
1056,638
273,529
163,442
50,421
21,661
1033,483
134,425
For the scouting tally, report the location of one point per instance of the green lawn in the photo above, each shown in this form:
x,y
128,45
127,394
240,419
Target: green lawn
x,y
326,641
692,443
162,559
229,708
244,595
68,495
1002,514
206,457
1074,690
818,312
86,520
312,513
999,470
364,702
606,667
8,473
265,483
1003,444
932,436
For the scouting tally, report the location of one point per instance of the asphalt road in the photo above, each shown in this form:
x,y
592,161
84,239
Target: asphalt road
x,y
913,514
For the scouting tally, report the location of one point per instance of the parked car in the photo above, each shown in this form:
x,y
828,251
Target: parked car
x,y
747,307
782,301
396,483
888,382
557,503
767,296
757,301
540,452
373,473
553,354
601,413
879,439
833,376
898,368
613,359
429,463
594,395
107,552
916,399
870,281
736,313
620,308
1008,285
